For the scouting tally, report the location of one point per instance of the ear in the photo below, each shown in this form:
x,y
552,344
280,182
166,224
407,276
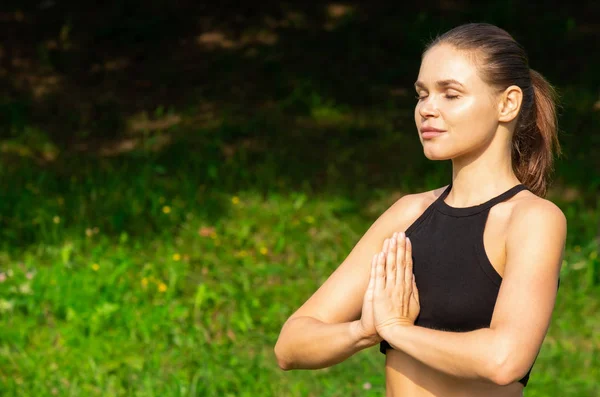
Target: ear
x,y
509,103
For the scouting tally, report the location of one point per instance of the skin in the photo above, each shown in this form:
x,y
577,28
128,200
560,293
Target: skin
x,y
372,296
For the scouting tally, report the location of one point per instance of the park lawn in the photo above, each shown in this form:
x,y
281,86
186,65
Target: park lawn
x,y
169,270
141,278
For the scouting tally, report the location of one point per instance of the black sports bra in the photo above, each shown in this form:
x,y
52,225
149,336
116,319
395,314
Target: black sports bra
x,y
458,285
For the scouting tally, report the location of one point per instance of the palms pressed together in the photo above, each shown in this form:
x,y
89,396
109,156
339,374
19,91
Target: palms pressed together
x,y
391,297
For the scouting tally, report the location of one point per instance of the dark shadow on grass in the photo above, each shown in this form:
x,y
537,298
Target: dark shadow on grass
x,y
269,96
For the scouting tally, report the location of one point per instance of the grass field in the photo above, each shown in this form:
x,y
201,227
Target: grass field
x,y
162,255
170,273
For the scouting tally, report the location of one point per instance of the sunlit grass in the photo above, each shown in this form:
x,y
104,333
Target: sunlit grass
x,y
170,273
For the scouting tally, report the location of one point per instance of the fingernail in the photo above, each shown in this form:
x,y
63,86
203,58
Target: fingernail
x,y
401,234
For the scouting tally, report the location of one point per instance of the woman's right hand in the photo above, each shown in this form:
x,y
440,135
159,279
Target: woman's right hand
x,y
366,324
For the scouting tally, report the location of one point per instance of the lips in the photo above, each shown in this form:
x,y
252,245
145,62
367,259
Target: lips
x,y
431,129
430,132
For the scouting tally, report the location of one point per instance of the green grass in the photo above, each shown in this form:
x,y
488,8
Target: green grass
x,y
171,273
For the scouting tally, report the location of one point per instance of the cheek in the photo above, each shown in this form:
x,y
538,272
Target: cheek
x,y
473,127
469,118
417,116
461,111
470,123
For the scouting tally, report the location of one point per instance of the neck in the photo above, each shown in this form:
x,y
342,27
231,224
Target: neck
x,y
481,175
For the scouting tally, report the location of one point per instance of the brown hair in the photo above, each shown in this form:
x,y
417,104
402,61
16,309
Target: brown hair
x,y
502,63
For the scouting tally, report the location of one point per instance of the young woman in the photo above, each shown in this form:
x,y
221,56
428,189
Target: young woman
x,y
461,295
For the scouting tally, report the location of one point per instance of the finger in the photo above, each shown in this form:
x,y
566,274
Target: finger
x,y
415,290
380,273
400,256
390,265
371,285
385,244
408,264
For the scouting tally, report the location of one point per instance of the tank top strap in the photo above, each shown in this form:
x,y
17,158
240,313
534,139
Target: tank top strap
x,y
506,195
445,193
441,205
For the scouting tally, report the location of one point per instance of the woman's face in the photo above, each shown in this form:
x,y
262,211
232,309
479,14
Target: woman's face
x,y
454,99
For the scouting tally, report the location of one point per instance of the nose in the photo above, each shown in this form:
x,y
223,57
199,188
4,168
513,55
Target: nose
x,y
428,108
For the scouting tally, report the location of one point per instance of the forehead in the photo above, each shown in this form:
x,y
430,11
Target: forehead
x,y
444,62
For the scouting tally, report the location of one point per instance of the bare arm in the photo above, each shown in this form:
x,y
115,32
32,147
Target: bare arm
x,y
323,331
313,344
504,352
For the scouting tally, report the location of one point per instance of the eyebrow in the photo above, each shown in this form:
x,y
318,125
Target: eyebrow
x,y
440,83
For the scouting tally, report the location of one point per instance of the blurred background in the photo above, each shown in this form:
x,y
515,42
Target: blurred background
x,y
178,177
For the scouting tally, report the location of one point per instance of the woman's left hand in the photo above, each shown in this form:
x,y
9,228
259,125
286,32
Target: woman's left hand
x,y
396,298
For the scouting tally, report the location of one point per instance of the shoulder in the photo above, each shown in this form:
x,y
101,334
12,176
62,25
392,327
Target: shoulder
x,y
537,216
421,199
411,206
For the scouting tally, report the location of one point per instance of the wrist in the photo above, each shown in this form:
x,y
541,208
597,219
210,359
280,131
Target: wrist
x,y
362,338
388,330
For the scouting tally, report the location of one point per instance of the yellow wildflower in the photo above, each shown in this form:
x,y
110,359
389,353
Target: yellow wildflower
x,y
162,287
144,282
264,250
95,267
166,209
235,200
310,219
176,257
56,219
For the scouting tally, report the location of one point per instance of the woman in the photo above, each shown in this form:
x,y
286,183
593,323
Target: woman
x,y
461,300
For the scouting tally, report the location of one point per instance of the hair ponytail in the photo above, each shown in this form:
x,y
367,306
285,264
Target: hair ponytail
x,y
535,138
502,62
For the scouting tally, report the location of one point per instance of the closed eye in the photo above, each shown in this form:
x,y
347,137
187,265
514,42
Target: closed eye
x,y
450,97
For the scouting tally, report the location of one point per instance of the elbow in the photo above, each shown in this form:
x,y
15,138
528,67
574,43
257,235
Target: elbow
x,y
282,362
506,376
285,351
284,365
508,369
502,377
282,348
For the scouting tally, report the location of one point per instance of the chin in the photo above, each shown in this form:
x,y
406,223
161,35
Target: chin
x,y
436,154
